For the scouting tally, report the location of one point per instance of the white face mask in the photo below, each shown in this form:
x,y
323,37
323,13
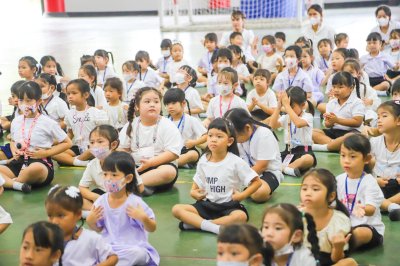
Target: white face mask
x,y
233,263
165,53
315,20
45,96
290,62
179,78
286,249
224,90
383,21
222,66
128,77
394,43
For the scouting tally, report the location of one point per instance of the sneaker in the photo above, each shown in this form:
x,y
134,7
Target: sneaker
x,y
148,191
181,226
297,172
187,229
394,215
26,188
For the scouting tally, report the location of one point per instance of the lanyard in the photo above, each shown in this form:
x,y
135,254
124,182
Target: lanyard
x,y
209,60
165,62
130,87
220,104
355,196
291,82
181,121
144,76
27,141
154,133
248,154
104,75
325,62
289,259
51,98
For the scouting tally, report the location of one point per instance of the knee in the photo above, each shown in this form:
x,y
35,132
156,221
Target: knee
x,y
260,197
177,210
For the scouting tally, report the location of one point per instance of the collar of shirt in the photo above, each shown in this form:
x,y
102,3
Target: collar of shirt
x,y
351,99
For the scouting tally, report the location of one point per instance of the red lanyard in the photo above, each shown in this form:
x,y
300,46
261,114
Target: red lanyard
x,y
27,142
220,104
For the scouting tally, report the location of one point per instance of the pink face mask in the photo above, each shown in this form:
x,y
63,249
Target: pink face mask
x,y
267,48
113,186
25,109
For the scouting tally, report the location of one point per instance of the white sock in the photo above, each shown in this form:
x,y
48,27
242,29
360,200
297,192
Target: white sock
x,y
393,206
320,147
289,171
188,226
78,162
85,214
381,93
3,162
17,185
208,226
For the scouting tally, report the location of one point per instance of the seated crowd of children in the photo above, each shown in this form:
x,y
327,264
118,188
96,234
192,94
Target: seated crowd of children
x,y
115,128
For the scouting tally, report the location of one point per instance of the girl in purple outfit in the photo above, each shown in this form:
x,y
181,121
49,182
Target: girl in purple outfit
x,y
121,216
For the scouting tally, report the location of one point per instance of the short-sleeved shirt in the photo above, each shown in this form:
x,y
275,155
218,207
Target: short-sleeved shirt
x,y
190,128
322,63
269,98
103,75
256,149
248,38
194,99
269,62
163,63
386,36
205,61
317,76
323,32
368,193
98,95
117,115
376,66
56,108
298,136
173,68
151,78
354,106
220,179
217,107
283,81
130,90
387,163
43,133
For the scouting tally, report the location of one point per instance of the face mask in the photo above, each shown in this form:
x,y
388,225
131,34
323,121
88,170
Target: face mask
x,y
224,90
128,77
383,21
286,249
113,186
45,96
315,20
232,263
290,62
267,48
100,152
179,78
394,43
25,109
222,66
165,53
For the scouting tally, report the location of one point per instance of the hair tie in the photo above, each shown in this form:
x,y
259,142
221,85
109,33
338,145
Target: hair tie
x,y
72,192
53,188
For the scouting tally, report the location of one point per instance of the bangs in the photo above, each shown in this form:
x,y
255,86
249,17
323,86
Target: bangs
x,y
339,80
221,125
119,161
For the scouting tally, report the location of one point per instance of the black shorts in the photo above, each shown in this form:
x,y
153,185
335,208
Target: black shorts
x,y
376,240
76,150
259,114
392,74
392,188
186,150
163,187
298,152
337,133
211,210
271,180
376,81
16,165
326,260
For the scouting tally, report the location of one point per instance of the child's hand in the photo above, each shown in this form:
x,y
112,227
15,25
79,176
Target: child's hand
x,y
382,181
254,101
359,210
190,143
339,241
37,153
367,102
237,196
144,164
331,118
285,99
136,213
198,194
96,213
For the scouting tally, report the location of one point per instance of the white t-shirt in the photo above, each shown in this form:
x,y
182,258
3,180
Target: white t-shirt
x,y
369,193
301,257
217,107
194,99
117,115
98,95
367,92
354,106
255,149
103,75
56,108
130,90
268,99
43,133
83,122
387,163
269,62
173,67
298,136
323,32
148,142
220,179
89,249
248,38
151,78
190,128
283,81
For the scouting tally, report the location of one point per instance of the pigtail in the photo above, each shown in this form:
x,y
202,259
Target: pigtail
x,y
357,84
112,57
60,72
38,70
140,72
90,101
267,252
131,116
188,106
312,236
340,207
152,66
311,109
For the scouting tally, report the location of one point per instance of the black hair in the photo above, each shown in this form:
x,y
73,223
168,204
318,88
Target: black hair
x,y
47,58
248,236
33,64
340,37
225,52
144,56
291,215
359,143
123,162
166,43
325,41
135,103
83,87
15,87
395,86
234,34
316,7
385,9
392,106
47,235
230,74
86,59
104,54
374,36
49,79
394,32
31,90
270,38
298,96
296,49
91,72
262,73
227,127
347,53
346,79
212,37
280,35
132,65
307,42
238,14
240,118
175,95
106,131
237,50
329,181
115,83
192,73
308,50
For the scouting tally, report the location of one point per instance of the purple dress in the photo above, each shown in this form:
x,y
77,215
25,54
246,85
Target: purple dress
x,y
127,236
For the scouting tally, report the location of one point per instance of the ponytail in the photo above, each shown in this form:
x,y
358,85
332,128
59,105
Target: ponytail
x,y
357,85
312,236
311,109
131,116
188,106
